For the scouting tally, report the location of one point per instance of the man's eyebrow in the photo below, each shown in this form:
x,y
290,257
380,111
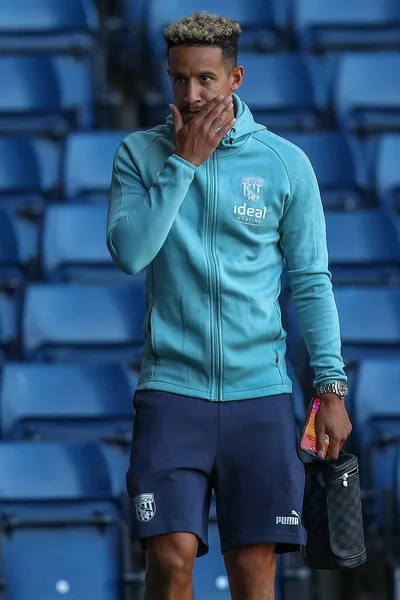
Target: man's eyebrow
x,y
202,74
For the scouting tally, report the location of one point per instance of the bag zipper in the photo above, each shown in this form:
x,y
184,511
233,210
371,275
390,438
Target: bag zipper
x,y
345,477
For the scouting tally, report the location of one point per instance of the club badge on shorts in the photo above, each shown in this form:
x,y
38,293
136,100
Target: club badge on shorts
x,y
145,507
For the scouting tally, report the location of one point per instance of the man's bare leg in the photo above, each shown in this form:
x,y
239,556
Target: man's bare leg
x,y
169,565
251,572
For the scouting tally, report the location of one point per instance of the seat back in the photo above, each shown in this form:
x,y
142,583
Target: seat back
x,y
74,245
88,164
279,90
66,402
338,165
364,24
56,494
370,321
65,323
19,168
363,247
47,16
367,92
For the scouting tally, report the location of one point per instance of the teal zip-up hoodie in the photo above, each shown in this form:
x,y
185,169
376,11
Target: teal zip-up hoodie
x,y
213,239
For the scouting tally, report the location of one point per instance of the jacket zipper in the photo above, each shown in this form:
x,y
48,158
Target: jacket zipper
x,y
346,476
215,325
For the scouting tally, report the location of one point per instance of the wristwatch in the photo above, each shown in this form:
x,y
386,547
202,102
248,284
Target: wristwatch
x,y
336,387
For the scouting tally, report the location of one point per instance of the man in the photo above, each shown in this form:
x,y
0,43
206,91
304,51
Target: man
x,y
211,203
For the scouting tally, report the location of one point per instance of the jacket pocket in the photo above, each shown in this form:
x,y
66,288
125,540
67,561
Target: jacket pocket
x,y
153,335
278,320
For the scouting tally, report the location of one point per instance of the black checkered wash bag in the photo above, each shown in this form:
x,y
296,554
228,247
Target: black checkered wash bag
x,y
332,514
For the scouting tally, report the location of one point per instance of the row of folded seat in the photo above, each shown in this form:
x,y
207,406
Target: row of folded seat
x,y
312,26
347,169
358,92
65,529
59,322
92,403
70,246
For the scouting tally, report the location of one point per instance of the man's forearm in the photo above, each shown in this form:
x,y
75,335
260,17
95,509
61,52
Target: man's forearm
x,y
319,323
139,221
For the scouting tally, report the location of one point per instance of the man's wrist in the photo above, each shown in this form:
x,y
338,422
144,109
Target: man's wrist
x,y
339,388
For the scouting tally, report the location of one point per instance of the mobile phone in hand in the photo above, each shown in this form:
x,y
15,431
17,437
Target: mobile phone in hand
x,y
308,441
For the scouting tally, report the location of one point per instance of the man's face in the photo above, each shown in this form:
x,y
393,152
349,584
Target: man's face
x,y
198,74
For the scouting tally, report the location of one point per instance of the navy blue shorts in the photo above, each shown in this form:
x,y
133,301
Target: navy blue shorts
x,y
244,450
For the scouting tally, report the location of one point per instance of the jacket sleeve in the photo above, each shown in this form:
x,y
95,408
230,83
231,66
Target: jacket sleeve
x,y
139,220
304,246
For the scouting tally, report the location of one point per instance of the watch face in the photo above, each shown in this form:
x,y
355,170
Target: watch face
x,y
342,388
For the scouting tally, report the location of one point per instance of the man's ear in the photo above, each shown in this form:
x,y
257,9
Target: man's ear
x,y
237,77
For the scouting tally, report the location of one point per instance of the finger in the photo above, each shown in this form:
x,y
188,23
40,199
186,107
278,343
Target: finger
x,y
221,109
177,118
334,449
320,436
209,107
221,117
224,130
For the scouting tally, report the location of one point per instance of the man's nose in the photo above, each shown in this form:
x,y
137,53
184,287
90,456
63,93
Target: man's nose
x,y
192,94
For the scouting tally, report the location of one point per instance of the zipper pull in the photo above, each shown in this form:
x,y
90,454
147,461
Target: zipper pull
x,y
344,480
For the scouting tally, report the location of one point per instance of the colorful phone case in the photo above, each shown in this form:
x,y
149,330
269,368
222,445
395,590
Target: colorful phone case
x,y
308,441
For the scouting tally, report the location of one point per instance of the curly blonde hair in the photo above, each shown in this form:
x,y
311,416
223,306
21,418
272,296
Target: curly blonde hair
x,y
205,29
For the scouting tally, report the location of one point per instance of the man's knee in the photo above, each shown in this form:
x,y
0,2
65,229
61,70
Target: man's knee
x,y
252,560
170,558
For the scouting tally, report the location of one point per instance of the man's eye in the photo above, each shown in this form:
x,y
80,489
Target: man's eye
x,y
205,78
178,79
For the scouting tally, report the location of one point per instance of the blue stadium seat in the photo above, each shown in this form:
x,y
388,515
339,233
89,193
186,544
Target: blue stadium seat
x,y
45,95
388,174
363,248
74,246
367,92
31,101
370,321
48,25
88,164
60,523
322,25
76,402
19,168
338,164
11,269
95,323
280,91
